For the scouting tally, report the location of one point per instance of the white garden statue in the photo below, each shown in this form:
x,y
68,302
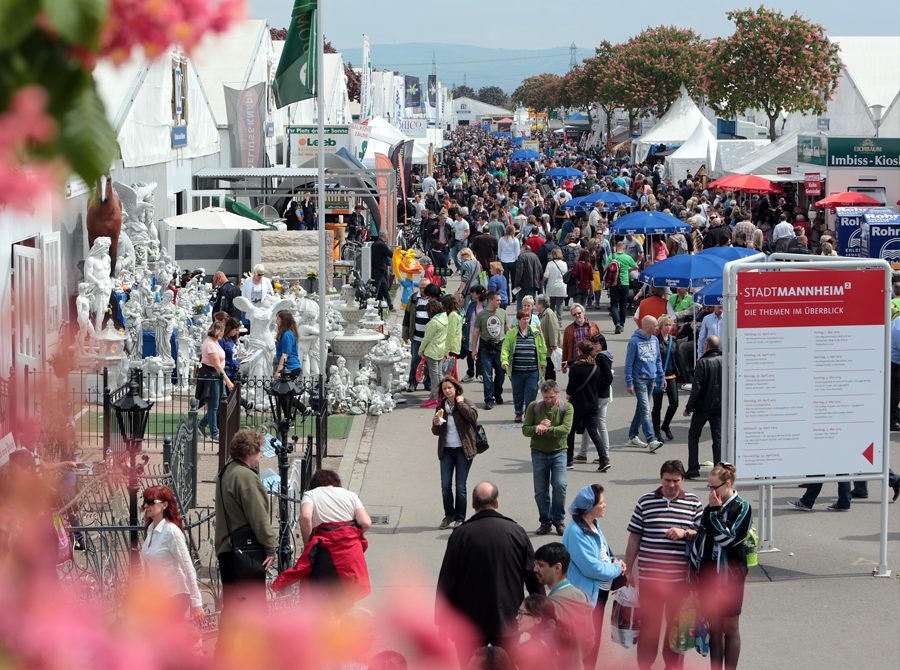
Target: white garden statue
x,y
260,343
97,267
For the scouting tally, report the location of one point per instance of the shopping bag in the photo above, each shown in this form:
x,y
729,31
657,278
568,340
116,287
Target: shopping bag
x,y
556,358
597,282
625,618
420,370
683,635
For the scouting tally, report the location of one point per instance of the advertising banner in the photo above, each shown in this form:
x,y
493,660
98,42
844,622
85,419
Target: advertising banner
x,y
864,152
246,112
880,236
810,354
359,139
303,141
812,149
382,163
812,183
413,92
414,127
431,107
399,98
848,226
365,83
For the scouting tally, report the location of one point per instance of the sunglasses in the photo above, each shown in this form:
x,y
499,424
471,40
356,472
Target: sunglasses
x,y
522,613
147,502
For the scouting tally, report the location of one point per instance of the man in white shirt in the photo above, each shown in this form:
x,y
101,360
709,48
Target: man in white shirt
x,y
595,215
782,229
460,236
711,325
429,185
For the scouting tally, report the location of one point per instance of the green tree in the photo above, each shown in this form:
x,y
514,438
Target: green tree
x,y
542,92
463,92
772,63
492,95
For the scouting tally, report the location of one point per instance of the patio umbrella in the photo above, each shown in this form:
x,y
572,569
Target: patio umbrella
x,y
684,271
214,218
524,155
649,223
563,173
711,294
748,183
846,199
611,199
729,253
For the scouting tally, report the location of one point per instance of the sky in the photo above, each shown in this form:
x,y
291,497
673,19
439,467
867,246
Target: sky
x,y
539,24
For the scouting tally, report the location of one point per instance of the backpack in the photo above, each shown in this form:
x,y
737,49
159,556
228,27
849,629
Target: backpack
x,y
612,276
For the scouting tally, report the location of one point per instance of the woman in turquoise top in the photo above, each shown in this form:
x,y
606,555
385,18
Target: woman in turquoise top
x,y
593,566
287,359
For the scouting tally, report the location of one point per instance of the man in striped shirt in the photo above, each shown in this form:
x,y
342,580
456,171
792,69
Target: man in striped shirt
x,y
661,525
414,321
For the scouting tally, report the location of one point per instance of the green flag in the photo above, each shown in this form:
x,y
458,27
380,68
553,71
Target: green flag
x,y
295,78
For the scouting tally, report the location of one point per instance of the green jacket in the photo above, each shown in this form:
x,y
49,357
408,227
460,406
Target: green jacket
x,y
454,332
241,499
434,343
509,348
560,415
626,263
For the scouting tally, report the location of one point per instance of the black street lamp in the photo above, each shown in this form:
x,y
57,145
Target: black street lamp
x,y
283,403
132,412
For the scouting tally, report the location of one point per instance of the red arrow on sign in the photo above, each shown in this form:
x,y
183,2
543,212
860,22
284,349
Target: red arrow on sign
x,y
869,453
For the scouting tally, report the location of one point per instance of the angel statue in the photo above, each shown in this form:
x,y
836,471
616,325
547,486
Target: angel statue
x,y
260,345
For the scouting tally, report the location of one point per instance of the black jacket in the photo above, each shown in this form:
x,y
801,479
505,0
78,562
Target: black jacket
x,y
488,564
225,296
673,368
706,392
381,257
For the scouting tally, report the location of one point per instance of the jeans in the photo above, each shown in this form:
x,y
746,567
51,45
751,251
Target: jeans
x,y
556,304
601,441
435,373
492,374
672,394
509,271
454,459
414,365
641,417
524,389
528,290
549,470
213,397
618,304
698,420
454,252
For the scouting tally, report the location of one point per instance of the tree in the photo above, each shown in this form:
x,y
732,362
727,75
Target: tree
x,y
463,92
354,82
492,95
772,63
651,67
542,92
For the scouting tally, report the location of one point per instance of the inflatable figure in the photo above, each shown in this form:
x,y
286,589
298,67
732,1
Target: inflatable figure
x,y
407,270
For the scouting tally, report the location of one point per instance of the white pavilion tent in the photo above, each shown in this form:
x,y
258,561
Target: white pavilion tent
x,y
673,127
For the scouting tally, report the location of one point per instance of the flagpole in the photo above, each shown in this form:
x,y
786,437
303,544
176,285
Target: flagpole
x,y
320,188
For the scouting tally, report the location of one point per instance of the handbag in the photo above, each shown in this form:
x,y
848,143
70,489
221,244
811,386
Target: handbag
x,y
481,441
247,553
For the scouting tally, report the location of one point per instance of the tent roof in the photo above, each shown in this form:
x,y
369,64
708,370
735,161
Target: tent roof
x,y
478,108
226,59
874,64
677,124
780,153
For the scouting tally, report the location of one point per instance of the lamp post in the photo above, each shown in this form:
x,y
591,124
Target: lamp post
x,y
876,111
283,403
132,412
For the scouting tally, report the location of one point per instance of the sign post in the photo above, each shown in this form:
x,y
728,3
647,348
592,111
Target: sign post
x,y
805,389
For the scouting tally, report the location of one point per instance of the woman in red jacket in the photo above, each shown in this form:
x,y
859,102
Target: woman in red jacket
x,y
583,276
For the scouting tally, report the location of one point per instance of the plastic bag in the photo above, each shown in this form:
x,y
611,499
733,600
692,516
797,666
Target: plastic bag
x,y
683,634
63,545
556,358
625,618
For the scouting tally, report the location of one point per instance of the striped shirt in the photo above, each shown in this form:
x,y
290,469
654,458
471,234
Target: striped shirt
x,y
421,318
525,354
659,558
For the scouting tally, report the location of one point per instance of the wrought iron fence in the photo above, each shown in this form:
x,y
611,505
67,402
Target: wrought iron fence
x,y
180,459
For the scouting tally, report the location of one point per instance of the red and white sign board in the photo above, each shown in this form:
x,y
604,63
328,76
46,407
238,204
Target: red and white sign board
x,y
810,353
812,183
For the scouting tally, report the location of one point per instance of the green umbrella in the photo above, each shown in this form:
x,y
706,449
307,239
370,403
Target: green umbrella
x,y
239,208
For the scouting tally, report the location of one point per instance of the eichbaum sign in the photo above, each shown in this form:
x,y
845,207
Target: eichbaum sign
x,y
810,355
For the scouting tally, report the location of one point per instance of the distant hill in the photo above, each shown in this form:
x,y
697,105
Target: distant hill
x,y
479,66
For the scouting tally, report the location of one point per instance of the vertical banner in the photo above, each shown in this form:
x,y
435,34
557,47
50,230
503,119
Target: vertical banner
x,y
431,107
246,112
399,97
382,183
296,74
401,160
413,92
359,139
365,83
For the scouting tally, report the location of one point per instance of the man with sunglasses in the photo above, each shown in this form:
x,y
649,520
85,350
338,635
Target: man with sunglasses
x,y
580,329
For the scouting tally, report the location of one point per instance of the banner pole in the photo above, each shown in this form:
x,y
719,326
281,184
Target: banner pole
x,y
320,189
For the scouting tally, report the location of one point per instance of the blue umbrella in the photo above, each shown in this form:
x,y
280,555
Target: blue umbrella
x,y
524,155
649,223
711,294
684,271
611,199
564,172
729,253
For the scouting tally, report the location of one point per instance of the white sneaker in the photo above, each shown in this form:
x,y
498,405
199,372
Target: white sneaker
x,y
654,445
636,442
687,387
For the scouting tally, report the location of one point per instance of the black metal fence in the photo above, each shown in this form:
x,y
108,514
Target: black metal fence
x,y
6,407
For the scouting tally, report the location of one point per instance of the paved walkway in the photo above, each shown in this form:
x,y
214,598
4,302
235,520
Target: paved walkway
x,y
812,605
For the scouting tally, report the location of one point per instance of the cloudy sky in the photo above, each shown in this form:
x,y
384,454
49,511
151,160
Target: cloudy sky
x,y
534,24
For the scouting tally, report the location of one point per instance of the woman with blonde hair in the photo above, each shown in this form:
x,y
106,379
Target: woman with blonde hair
x,y
668,351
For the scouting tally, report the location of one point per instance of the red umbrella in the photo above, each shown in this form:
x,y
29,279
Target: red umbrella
x,y
846,199
748,183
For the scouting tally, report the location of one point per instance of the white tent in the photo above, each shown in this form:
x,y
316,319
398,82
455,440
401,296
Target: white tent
x,y
673,127
733,153
782,153
383,136
698,149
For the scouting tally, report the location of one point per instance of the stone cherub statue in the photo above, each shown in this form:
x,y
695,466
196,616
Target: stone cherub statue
x,y
97,268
